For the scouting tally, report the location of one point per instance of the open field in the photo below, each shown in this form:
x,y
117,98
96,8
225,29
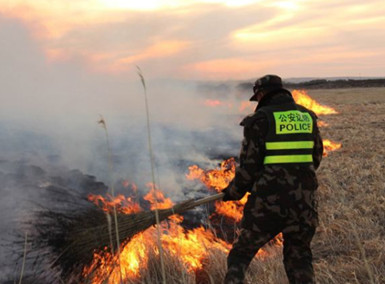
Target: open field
x,y
350,241
349,245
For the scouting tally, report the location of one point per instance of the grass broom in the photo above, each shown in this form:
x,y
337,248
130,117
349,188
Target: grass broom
x,y
89,232
131,224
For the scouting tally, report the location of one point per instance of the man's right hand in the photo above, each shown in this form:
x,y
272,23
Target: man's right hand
x,y
227,196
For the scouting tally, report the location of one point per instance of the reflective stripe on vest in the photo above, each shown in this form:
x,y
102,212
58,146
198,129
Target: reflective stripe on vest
x,y
284,159
289,145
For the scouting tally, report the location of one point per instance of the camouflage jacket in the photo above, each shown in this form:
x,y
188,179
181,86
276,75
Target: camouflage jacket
x,y
251,174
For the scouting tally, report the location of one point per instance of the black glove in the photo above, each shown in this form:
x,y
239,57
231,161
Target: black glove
x,y
227,196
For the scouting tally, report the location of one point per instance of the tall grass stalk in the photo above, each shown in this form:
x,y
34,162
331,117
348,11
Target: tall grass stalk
x,y
139,71
102,122
109,224
24,257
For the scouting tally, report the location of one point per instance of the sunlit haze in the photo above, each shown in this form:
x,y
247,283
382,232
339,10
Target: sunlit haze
x,y
208,39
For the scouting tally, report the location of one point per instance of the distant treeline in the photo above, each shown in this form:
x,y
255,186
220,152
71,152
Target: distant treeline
x,y
328,84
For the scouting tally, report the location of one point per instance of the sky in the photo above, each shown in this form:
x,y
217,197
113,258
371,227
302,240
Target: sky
x,y
65,63
207,39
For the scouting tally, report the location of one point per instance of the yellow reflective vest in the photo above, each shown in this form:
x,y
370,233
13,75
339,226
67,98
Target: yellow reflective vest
x,y
290,136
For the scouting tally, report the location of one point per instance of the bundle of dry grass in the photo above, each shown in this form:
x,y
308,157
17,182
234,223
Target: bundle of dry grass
x,y
74,237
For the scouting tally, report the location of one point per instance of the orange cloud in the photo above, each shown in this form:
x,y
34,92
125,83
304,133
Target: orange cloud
x,y
159,49
115,62
52,21
112,35
234,68
56,54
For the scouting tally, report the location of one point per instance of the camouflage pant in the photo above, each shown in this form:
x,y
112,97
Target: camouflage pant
x,y
264,218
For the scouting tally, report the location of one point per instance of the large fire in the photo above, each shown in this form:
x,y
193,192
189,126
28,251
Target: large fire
x,y
216,178
191,248
219,179
302,98
123,204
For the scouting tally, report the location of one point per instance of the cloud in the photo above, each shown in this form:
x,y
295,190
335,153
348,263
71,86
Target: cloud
x,y
130,36
160,49
227,68
316,37
176,38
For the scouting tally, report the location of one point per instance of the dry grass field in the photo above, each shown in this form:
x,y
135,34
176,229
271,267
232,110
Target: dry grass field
x,y
349,246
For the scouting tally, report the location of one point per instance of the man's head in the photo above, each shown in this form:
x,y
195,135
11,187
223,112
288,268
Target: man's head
x,y
265,85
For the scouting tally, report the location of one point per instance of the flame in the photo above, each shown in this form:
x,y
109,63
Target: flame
x,y
330,146
156,198
126,184
321,123
246,105
302,98
233,210
191,248
212,103
217,103
133,256
123,204
219,179
216,178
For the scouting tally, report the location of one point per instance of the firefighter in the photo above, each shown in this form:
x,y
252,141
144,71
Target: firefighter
x,y
281,150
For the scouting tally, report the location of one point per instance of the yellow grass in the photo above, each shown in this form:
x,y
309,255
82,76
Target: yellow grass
x,y
349,245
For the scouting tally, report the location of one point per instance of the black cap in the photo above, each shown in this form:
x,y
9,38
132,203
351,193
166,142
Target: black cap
x,y
268,83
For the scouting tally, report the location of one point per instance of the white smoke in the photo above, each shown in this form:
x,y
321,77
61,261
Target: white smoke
x,y
48,120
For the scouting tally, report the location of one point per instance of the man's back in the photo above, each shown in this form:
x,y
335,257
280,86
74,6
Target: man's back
x,y
263,178
281,150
